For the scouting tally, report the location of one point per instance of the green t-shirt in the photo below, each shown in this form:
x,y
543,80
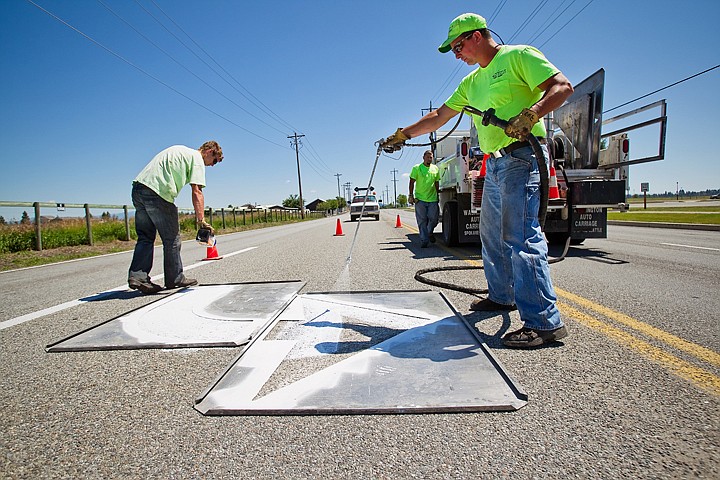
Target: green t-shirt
x,y
508,84
425,178
171,170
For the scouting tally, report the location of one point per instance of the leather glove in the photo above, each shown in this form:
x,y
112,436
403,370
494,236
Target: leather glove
x,y
520,125
394,142
206,226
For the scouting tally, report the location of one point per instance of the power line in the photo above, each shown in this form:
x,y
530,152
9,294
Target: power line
x,y
203,61
529,19
264,108
545,25
663,88
117,55
267,109
496,12
186,68
566,23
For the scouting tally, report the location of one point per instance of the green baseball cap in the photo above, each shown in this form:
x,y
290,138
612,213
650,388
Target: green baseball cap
x,y
467,22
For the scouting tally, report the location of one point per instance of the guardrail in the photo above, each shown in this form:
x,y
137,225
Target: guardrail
x,y
255,215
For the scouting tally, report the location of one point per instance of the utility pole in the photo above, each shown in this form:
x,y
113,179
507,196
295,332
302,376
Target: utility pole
x,y
387,194
338,175
347,191
394,171
295,142
433,135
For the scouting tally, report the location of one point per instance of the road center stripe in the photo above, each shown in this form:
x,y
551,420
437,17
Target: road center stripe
x,y
676,342
699,376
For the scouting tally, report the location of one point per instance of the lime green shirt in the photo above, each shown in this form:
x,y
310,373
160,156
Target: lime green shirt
x,y
508,84
425,178
171,170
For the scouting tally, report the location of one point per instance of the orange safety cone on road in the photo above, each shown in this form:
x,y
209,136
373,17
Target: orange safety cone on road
x,y
553,190
338,229
397,222
212,253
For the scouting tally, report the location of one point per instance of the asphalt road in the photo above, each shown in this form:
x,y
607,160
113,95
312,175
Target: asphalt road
x,y
633,391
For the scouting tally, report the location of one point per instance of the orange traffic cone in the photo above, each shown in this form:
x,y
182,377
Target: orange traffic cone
x,y
338,229
397,222
212,253
553,191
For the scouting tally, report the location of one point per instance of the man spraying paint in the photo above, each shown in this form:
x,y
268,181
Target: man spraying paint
x,y
520,84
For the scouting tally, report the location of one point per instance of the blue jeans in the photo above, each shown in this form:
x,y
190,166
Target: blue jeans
x,y
154,215
514,250
426,215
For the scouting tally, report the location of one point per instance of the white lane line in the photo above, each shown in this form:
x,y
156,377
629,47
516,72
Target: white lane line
x,y
69,261
690,246
99,296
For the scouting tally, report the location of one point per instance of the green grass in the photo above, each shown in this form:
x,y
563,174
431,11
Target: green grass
x,y
67,240
637,209
666,217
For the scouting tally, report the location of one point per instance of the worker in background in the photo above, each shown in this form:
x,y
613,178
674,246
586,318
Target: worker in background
x,y
153,194
522,86
423,190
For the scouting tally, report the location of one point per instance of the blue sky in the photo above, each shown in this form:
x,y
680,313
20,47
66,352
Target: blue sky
x,y
80,122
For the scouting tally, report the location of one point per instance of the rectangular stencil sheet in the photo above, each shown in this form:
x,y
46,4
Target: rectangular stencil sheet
x,y
365,352
200,316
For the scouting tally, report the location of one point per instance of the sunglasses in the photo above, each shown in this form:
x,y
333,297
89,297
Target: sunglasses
x,y
217,158
459,46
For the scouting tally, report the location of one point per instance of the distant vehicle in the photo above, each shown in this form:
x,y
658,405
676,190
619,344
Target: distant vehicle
x,y
365,205
715,197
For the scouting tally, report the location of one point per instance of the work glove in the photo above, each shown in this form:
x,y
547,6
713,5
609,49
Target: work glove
x,y
520,125
206,226
394,142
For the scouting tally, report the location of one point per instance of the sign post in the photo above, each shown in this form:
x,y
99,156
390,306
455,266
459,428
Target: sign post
x,y
644,187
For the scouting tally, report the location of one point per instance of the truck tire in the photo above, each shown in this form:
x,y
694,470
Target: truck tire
x,y
450,224
353,218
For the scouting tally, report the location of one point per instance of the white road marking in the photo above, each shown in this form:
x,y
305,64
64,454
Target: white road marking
x,y
691,246
63,306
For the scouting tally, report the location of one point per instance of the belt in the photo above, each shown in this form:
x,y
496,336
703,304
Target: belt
x,y
514,146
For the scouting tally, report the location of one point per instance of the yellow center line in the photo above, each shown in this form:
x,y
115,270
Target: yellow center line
x,y
700,377
676,342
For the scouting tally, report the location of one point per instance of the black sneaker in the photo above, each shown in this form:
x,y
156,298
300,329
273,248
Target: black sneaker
x,y
144,286
185,282
487,305
528,338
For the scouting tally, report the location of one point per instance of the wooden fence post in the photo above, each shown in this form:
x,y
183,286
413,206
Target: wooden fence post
x,y
89,225
38,229
127,223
